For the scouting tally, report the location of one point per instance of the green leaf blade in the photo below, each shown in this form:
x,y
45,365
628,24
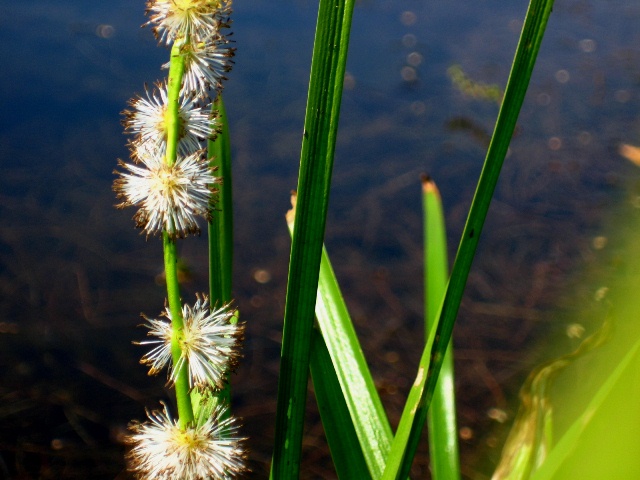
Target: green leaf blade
x,y
316,164
443,431
358,390
415,412
337,421
220,245
221,225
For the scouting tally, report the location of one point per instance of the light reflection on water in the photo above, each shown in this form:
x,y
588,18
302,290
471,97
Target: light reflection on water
x,y
72,270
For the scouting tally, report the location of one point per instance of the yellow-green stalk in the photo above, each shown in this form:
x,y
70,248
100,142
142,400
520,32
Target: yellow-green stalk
x,y
172,120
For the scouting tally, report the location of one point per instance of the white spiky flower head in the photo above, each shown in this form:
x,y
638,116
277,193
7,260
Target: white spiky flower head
x,y
170,197
192,19
161,450
206,65
210,344
148,121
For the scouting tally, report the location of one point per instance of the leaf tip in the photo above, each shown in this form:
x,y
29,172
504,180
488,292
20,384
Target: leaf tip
x,y
428,185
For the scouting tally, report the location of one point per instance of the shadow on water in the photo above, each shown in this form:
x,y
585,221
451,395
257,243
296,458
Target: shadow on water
x,y
74,276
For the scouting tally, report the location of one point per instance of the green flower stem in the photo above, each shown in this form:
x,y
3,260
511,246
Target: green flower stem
x,y
185,409
172,121
174,85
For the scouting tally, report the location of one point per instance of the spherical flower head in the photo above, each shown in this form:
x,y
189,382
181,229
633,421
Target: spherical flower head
x,y
170,197
147,120
209,342
206,65
191,19
161,450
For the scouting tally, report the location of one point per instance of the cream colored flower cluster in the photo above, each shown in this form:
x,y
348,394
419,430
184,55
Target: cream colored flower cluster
x,y
209,344
171,183
161,450
170,194
209,348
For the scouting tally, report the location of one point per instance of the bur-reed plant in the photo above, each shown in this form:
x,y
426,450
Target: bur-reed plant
x,y
172,182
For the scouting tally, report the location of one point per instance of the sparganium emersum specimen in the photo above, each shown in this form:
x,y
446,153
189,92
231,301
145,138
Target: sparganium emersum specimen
x,y
161,450
171,182
210,344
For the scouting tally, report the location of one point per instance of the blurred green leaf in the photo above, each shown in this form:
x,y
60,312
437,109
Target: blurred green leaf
x,y
603,442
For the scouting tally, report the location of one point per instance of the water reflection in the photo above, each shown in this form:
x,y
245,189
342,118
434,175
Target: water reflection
x,y
74,276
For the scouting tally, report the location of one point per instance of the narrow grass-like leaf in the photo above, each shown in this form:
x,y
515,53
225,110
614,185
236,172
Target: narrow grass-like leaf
x,y
371,423
220,236
316,163
358,390
221,225
414,415
443,432
336,419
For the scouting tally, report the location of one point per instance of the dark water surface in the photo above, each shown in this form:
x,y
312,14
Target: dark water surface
x,y
74,275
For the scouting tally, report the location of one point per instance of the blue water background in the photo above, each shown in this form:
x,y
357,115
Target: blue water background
x,y
74,275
